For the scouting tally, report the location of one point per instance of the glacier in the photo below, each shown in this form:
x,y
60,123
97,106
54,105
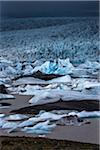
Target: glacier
x,y
76,38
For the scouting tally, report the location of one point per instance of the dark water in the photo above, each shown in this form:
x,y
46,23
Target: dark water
x,y
23,9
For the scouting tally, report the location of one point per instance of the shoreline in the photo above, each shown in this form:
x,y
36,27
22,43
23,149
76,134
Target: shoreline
x,y
69,133
10,143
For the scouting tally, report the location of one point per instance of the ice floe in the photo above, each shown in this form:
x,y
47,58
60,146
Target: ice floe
x,y
90,65
54,95
16,117
86,114
2,115
43,126
6,96
45,122
8,125
63,79
29,80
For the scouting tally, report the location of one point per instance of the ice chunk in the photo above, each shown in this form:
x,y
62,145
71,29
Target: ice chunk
x,y
28,70
45,126
44,96
6,96
63,79
29,80
16,117
2,115
86,114
62,67
8,125
90,65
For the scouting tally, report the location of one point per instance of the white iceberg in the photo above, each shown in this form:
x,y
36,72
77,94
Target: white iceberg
x,y
59,66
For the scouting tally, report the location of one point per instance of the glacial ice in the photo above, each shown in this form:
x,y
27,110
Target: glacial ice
x,y
85,114
8,125
16,117
90,65
6,96
42,122
2,115
54,95
63,79
76,38
59,66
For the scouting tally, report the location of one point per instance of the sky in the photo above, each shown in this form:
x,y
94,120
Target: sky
x,y
22,9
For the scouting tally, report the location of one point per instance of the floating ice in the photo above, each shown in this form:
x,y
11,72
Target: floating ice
x,y
90,65
44,96
28,70
6,96
62,67
86,114
45,122
2,115
29,80
16,117
43,126
9,125
2,122
63,79
54,95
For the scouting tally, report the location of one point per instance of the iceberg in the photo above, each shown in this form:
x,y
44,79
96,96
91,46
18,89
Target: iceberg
x,y
61,67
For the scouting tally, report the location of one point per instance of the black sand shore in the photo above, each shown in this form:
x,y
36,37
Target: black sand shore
x,y
23,143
